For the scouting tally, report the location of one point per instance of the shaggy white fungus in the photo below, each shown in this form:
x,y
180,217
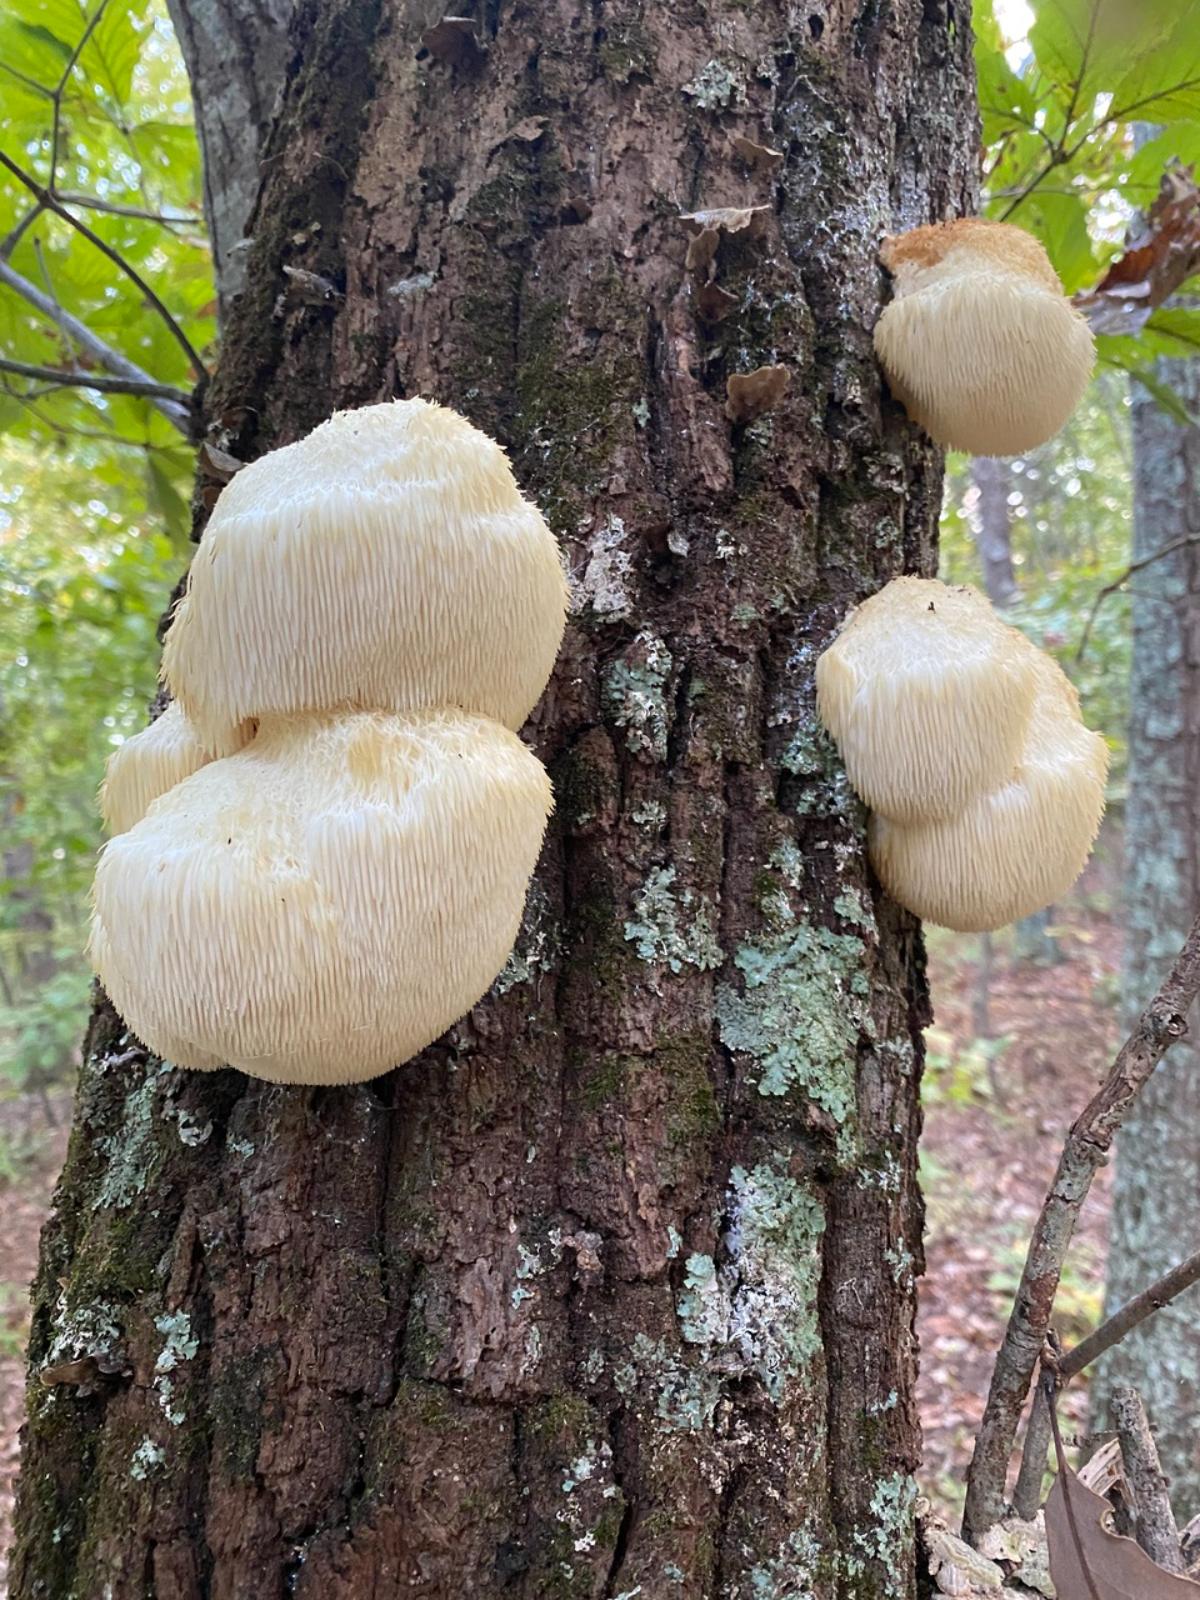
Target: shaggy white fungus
x,y
927,694
386,561
155,760
979,343
1018,847
320,906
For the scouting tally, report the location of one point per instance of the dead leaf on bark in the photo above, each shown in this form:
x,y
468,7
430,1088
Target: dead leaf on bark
x,y
1160,256
714,303
702,249
528,131
453,42
757,155
750,394
750,220
1089,1562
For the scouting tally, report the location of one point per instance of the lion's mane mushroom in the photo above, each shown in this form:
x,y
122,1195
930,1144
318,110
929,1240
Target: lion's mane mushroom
x,y
320,906
1017,848
927,695
155,760
386,561
979,343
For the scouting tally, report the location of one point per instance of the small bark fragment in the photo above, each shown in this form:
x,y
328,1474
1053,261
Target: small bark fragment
x,y
749,395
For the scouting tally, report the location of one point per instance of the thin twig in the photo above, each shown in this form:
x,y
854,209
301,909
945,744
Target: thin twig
x,y
91,202
1119,583
1027,1495
56,127
1088,1142
51,204
16,233
147,389
1156,1531
174,404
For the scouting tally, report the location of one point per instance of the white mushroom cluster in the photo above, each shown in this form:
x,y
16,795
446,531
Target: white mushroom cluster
x,y
965,740
979,343
322,847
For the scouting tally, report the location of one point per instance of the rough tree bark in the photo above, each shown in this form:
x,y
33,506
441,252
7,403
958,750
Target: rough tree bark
x,y
1156,1197
611,1292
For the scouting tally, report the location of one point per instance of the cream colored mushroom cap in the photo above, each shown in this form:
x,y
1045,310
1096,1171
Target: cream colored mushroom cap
x,y
153,761
926,693
387,561
979,343
1016,849
322,905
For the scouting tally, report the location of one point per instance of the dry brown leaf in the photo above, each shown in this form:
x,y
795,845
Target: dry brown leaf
x,y
453,42
751,220
714,303
701,249
1163,254
1089,1562
757,155
749,394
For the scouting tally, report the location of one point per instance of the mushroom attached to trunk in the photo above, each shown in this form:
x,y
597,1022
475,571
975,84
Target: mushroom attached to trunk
x,y
979,342
1018,847
386,561
927,694
320,906
155,760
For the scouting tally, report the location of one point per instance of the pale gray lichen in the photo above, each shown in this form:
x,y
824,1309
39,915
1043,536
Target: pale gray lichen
x,y
128,1155
180,1345
651,814
90,1330
791,1574
604,586
536,949
674,929
715,87
757,1312
685,1396
146,1459
634,696
889,1539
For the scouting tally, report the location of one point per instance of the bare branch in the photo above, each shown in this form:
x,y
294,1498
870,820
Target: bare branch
x,y
51,204
174,404
1119,583
55,378
166,219
15,234
1027,1495
1088,1142
1156,1531
56,127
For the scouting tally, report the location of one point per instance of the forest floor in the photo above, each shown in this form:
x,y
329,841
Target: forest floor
x,y
996,1112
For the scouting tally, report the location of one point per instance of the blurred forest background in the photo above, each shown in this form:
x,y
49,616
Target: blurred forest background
x,y
105,275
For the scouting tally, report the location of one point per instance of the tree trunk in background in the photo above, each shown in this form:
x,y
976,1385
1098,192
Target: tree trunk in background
x,y
1156,1198
612,1291
992,526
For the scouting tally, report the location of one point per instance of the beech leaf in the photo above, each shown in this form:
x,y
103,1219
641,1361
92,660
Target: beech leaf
x,y
1090,1562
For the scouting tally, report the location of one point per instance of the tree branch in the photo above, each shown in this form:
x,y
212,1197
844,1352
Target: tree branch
x,y
1156,1530
56,128
51,204
1163,1021
1028,1493
1119,583
174,404
56,378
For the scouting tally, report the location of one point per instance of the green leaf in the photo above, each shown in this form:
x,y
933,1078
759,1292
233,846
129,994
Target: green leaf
x,y
1060,221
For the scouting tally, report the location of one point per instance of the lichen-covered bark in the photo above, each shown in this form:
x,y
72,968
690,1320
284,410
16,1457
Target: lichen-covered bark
x,y
1156,1196
611,1292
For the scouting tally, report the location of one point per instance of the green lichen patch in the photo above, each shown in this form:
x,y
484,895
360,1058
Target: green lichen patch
x,y
798,1016
716,87
633,694
673,928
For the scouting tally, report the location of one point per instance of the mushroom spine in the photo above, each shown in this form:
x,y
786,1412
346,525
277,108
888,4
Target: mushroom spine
x,y
319,894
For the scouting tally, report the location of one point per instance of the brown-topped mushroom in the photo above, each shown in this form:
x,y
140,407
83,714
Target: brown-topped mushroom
x,y
979,342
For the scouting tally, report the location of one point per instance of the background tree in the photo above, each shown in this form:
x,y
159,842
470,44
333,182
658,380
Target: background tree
x,y
613,1289
1156,1202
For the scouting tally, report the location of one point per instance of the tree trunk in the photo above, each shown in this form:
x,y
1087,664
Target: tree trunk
x,y
991,523
611,1292
1156,1197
